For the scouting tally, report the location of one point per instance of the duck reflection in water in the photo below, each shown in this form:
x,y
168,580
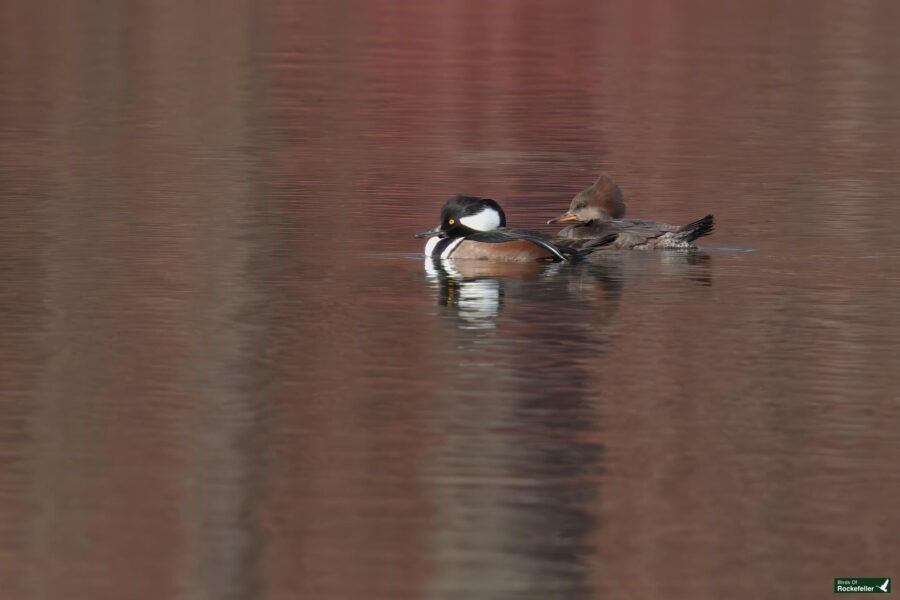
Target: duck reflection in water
x,y
518,476
518,473
474,293
474,290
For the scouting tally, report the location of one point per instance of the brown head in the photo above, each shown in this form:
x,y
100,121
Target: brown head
x,y
601,201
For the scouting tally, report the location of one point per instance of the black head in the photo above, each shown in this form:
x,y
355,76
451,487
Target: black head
x,y
462,215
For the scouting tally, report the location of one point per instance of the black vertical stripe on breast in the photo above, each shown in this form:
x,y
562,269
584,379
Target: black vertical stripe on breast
x,y
441,246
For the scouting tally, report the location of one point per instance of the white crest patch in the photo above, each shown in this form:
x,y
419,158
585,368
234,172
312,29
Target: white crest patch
x,y
486,219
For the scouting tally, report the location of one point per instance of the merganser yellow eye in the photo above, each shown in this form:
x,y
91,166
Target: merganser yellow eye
x,y
451,221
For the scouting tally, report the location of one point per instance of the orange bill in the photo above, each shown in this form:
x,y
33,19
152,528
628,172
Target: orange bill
x,y
564,218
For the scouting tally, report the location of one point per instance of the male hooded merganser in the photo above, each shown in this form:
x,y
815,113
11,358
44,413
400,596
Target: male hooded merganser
x,y
475,228
598,210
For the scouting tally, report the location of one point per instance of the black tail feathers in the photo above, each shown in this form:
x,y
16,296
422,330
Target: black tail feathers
x,y
697,229
589,247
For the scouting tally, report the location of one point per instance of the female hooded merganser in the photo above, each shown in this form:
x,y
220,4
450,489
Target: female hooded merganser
x,y
598,210
474,228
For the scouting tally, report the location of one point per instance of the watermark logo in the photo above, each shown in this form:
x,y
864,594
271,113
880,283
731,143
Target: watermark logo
x,y
862,585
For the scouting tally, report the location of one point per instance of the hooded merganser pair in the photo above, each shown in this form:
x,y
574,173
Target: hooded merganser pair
x,y
475,228
598,211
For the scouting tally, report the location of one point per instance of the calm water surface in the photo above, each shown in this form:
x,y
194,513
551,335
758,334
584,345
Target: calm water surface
x,y
227,372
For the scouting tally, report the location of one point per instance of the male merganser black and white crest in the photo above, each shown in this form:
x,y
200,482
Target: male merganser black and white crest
x,y
460,216
475,228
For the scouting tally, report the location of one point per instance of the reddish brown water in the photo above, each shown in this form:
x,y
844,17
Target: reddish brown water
x,y
225,372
